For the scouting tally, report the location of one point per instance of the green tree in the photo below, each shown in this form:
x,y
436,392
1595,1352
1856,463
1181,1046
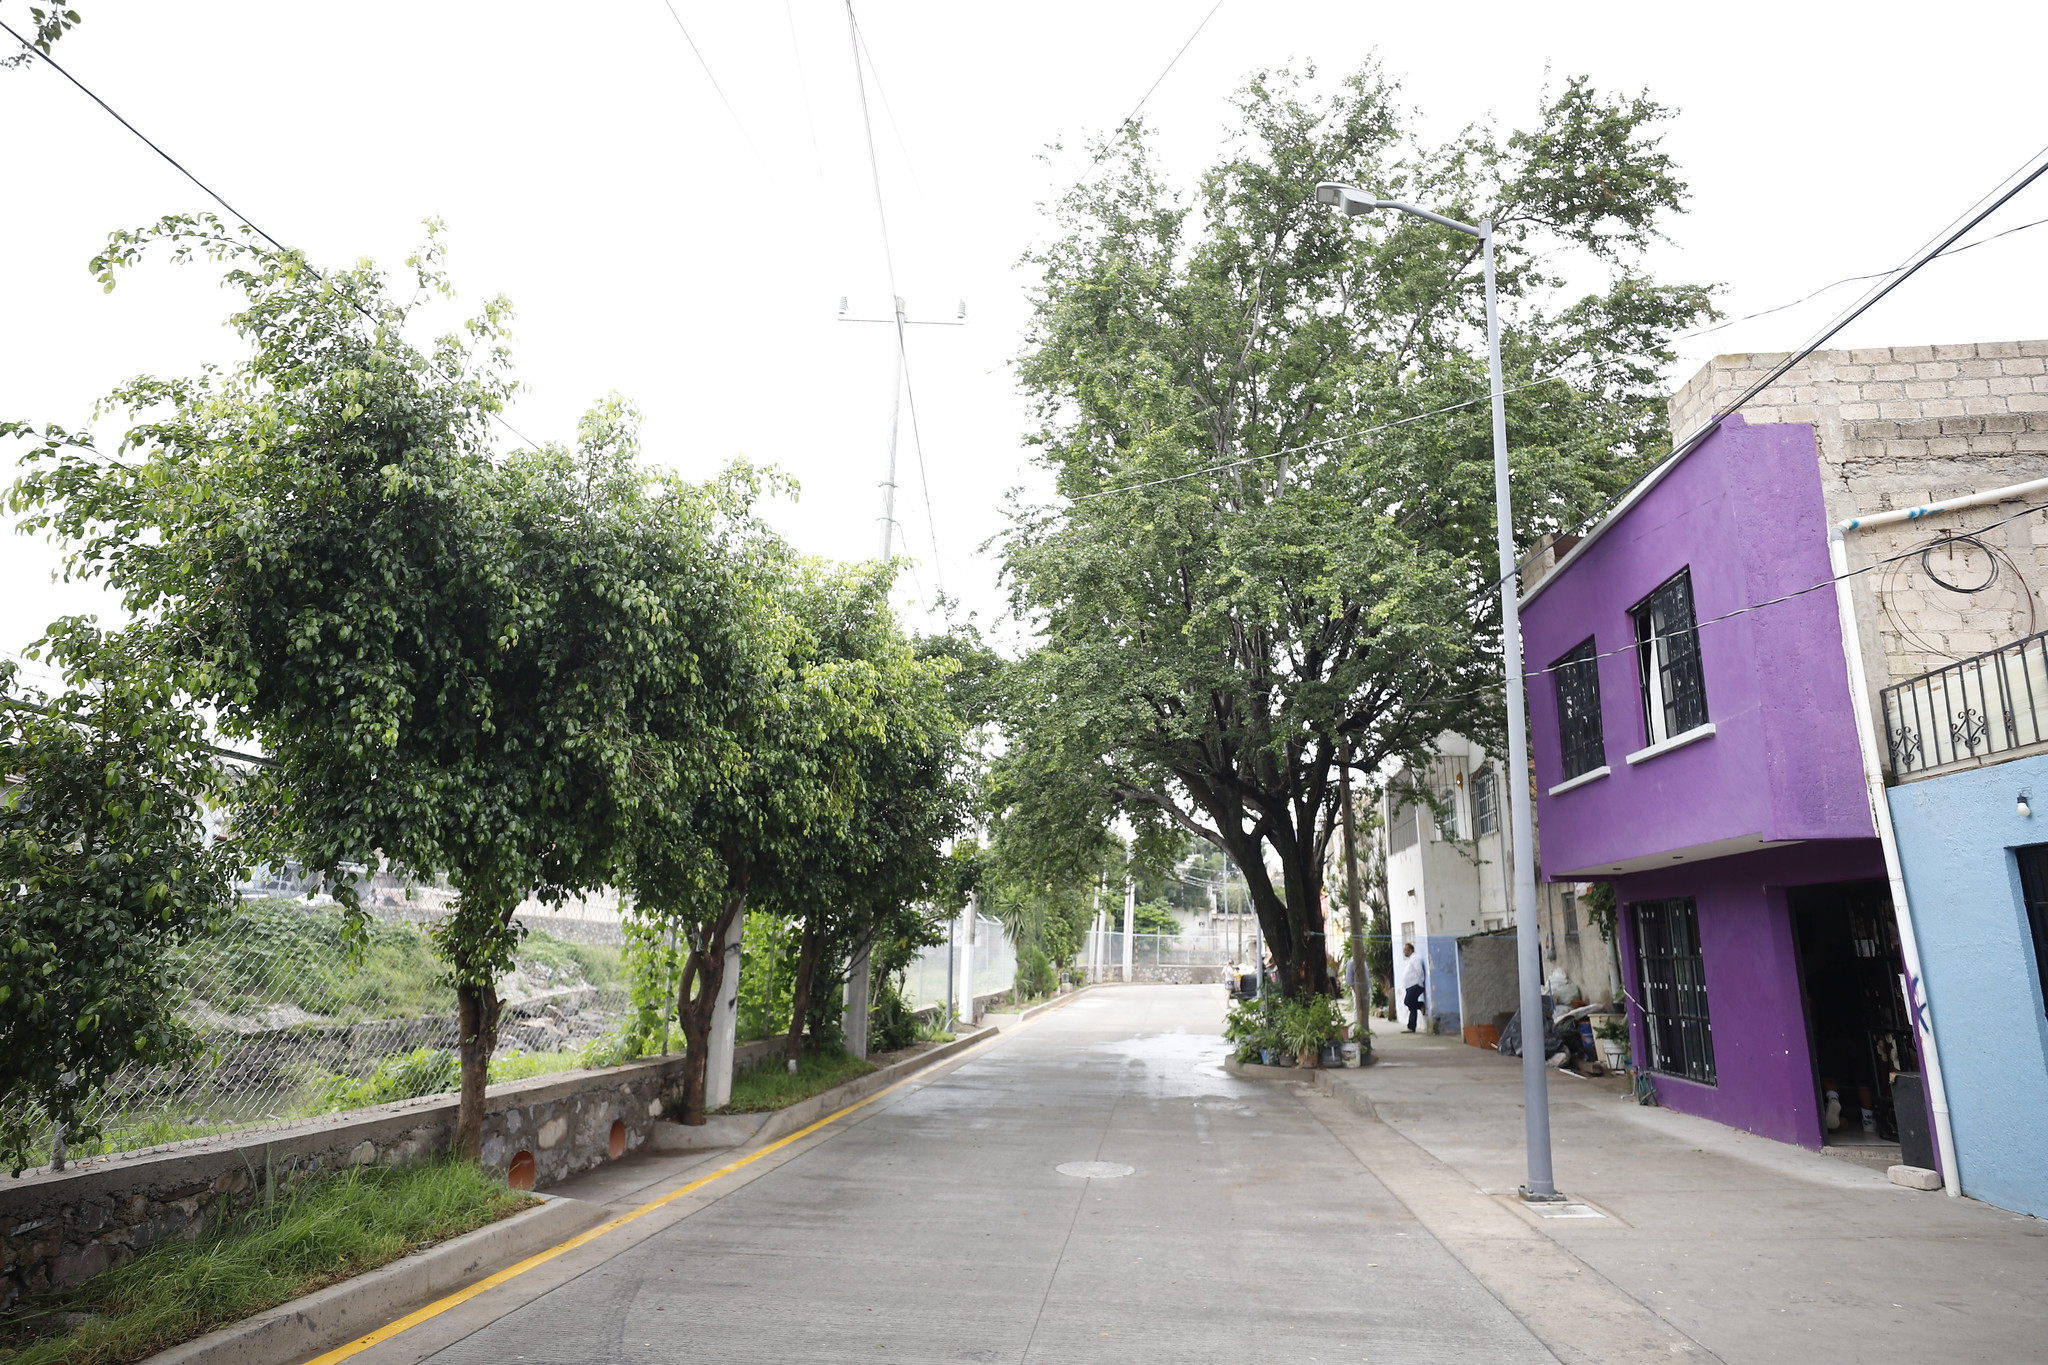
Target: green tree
x,y
1269,544
48,25
436,645
106,866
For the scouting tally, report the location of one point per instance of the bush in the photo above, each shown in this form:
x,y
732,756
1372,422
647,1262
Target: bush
x,y
407,1076
891,1024
1035,976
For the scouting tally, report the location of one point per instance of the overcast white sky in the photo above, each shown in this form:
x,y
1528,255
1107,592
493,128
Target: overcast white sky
x,y
656,245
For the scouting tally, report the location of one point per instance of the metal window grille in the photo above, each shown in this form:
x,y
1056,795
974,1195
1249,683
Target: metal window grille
x,y
1577,678
1571,917
1970,709
1674,988
2033,860
1485,802
1668,652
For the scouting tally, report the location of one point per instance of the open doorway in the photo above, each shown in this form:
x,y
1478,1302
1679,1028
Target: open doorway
x,y
1856,1023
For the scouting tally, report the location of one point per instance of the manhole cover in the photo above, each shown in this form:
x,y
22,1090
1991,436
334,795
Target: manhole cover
x,y
1094,1170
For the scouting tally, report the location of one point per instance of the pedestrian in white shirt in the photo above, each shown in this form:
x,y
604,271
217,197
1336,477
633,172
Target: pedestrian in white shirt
x,y
1413,981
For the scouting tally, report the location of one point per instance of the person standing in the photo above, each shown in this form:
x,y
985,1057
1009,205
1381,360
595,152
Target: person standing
x,y
1414,981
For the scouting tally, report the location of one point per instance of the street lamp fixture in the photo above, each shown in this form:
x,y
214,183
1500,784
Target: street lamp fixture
x,y
1542,1184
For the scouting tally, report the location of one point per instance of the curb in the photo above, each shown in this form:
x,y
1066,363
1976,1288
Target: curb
x,y
720,1131
304,1327
1012,1018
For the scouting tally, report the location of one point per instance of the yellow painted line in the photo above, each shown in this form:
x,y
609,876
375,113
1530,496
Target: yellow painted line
x,y
540,1258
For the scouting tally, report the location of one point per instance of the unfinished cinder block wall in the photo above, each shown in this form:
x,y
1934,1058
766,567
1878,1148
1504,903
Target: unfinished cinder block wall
x,y
1896,427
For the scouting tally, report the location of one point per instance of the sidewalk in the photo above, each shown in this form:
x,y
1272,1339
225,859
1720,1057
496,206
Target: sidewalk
x,y
1751,1250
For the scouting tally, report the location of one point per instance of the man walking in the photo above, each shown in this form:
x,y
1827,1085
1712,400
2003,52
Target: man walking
x,y
1412,983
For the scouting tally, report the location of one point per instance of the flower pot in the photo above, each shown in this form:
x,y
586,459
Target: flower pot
x,y
1268,1057
1333,1055
1614,1054
1349,1055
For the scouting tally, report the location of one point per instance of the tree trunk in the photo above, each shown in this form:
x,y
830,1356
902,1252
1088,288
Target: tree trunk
x,y
476,1011
806,971
703,982
1361,974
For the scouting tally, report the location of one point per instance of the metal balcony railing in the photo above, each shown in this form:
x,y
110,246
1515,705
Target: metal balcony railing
x,y
1970,709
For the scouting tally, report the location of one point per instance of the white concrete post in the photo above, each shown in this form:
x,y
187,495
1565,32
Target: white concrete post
x,y
725,1021
1130,923
855,1023
966,976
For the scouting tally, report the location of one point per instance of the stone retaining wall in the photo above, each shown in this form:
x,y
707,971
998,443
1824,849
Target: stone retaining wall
x,y
60,1227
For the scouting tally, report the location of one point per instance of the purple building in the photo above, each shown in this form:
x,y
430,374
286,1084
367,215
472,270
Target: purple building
x,y
1707,765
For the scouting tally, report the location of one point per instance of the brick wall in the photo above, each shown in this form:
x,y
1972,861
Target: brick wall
x,y
1903,425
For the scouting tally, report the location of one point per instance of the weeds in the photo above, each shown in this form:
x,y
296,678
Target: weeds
x,y
316,1234
773,1086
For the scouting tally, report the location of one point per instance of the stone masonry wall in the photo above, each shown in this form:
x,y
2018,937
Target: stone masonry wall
x,y
60,1227
1897,427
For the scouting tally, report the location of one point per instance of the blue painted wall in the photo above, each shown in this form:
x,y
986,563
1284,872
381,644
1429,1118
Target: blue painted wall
x,y
1441,1003
1956,834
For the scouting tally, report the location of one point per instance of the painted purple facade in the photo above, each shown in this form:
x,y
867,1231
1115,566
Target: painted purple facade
x,y
1765,1079
1744,515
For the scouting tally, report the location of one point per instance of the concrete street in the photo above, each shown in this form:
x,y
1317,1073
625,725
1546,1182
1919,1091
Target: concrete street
x,y
1260,1221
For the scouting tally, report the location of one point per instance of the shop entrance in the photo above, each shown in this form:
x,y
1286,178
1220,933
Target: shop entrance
x,y
1856,1024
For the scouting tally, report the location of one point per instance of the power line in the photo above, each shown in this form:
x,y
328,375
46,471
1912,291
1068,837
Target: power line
x,y
803,82
1857,310
698,52
234,212
1314,445
1170,65
924,483
1851,279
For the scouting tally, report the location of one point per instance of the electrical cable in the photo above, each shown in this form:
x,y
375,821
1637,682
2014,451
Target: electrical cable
x,y
234,212
1314,445
803,82
1856,310
1170,65
253,760
924,483
698,52
1851,279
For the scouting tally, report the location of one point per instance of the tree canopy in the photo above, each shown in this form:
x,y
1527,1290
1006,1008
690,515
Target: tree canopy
x,y
1271,539
106,866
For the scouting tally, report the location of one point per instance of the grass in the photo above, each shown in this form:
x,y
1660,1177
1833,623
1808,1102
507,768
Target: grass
x,y
772,1086
321,1232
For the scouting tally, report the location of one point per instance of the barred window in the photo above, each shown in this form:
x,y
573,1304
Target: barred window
x,y
1485,802
1668,653
1577,678
1679,1034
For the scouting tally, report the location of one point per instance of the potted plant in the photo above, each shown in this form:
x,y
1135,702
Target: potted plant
x,y
1611,1034
1252,1028
1306,1024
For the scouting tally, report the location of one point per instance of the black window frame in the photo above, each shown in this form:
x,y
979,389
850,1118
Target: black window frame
x,y
2033,866
1668,667
1485,802
1581,733
1671,974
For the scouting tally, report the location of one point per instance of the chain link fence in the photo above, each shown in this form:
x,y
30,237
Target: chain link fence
x,y
1169,957
296,1022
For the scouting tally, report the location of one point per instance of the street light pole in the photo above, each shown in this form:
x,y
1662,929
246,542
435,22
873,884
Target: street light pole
x,y
1542,1183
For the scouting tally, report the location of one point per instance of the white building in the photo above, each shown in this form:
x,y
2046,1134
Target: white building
x,y
1448,878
